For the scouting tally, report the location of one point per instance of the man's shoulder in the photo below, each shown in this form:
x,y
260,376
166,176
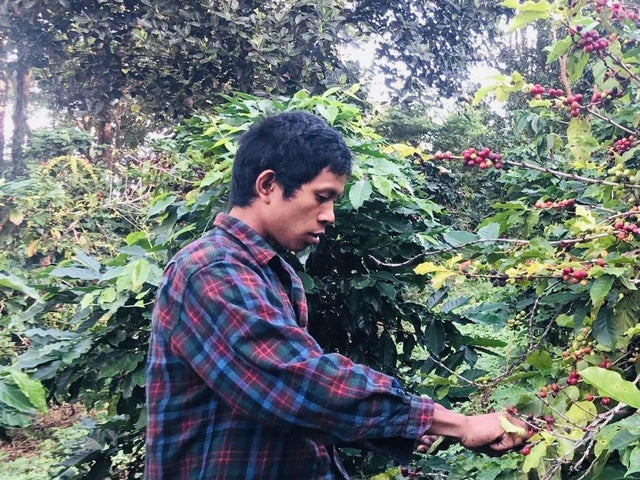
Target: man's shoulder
x,y
215,247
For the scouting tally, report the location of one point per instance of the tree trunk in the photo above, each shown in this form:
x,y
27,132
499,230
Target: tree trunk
x,y
3,110
22,88
105,139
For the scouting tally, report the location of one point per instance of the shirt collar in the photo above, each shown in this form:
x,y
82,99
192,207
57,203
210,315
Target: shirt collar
x,y
257,246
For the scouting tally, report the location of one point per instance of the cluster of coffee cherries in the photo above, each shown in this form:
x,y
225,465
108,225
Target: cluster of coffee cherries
x,y
605,96
569,274
579,348
517,319
623,144
483,158
625,229
538,90
620,173
439,155
407,473
573,102
618,11
498,279
559,205
591,41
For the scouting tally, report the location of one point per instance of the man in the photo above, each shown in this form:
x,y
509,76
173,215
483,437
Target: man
x,y
237,388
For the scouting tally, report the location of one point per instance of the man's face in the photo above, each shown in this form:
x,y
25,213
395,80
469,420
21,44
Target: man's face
x,y
298,221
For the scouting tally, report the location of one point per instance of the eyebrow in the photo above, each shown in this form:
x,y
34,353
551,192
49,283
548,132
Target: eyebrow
x,y
330,191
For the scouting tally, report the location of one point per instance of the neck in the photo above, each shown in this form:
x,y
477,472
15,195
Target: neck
x,y
248,215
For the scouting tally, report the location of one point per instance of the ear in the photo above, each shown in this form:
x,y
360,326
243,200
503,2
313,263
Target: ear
x,y
266,185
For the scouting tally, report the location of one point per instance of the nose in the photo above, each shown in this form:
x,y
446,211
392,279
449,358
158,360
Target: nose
x,y
326,215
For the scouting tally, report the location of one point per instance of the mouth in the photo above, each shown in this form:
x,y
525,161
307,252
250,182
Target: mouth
x,y
315,236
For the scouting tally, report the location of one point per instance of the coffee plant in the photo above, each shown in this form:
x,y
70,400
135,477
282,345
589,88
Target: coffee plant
x,y
563,241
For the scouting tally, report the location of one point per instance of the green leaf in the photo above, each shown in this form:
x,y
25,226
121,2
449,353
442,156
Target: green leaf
x,y
383,185
559,48
634,462
17,284
16,217
576,64
32,389
509,427
535,457
456,237
329,112
540,360
11,396
581,143
529,12
78,273
605,328
160,205
600,288
582,413
359,193
611,384
489,232
139,273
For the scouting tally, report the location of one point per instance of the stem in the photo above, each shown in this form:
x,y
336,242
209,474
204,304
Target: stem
x,y
608,120
572,176
563,243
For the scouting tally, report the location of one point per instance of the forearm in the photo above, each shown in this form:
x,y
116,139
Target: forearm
x,y
448,423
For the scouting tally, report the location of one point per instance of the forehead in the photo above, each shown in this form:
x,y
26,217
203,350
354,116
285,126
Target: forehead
x,y
328,181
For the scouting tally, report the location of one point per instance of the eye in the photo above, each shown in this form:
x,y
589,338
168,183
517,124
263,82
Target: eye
x,y
322,198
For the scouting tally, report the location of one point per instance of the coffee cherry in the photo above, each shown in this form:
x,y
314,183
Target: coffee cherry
x,y
589,398
526,450
605,401
404,471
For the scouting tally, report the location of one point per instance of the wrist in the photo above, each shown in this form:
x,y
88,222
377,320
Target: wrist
x,y
447,423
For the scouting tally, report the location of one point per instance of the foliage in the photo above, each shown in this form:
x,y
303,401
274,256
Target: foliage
x,y
563,240
45,144
88,334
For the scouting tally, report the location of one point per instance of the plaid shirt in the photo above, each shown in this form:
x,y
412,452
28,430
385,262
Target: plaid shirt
x,y
238,389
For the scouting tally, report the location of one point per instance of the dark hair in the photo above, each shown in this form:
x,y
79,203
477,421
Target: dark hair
x,y
295,145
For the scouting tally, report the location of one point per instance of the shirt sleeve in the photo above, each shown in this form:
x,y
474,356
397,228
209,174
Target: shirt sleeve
x,y
244,342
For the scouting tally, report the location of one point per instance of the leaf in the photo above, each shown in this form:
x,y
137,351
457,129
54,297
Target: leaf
x,y
611,384
455,303
489,232
17,284
456,237
383,185
160,205
11,396
582,413
600,288
329,112
139,273
559,48
359,193
32,389
74,272
429,267
540,360
535,457
16,217
634,462
529,12
439,278
509,427
605,328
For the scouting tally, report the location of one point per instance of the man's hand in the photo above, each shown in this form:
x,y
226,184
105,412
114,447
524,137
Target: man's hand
x,y
483,433
426,441
486,433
